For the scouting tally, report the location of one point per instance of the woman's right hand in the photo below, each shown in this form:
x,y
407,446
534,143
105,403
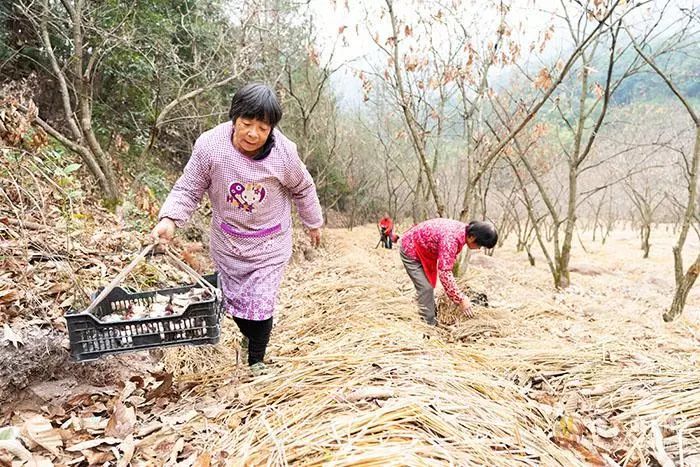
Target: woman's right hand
x,y
164,231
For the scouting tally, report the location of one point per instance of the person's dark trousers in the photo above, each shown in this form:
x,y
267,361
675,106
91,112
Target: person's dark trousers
x,y
424,289
258,334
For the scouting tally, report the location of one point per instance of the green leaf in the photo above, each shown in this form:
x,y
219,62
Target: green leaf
x,y
8,433
71,168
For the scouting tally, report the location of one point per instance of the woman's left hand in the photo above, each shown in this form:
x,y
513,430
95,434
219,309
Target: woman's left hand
x,y
466,308
315,236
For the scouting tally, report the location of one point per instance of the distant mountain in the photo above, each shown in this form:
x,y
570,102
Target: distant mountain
x,y
683,70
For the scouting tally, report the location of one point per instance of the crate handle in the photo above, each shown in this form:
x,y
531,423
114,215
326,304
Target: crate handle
x,y
120,277
195,275
115,282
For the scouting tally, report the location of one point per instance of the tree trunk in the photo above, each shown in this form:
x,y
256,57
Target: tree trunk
x,y
565,256
685,282
646,233
415,208
682,290
530,258
111,192
467,203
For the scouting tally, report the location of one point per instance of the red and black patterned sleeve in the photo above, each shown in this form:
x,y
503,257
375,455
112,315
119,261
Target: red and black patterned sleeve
x,y
447,255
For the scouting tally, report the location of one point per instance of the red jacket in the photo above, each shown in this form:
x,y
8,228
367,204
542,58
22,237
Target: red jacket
x,y
387,223
435,243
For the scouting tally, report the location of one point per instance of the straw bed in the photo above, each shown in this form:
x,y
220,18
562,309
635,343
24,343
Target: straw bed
x,y
356,378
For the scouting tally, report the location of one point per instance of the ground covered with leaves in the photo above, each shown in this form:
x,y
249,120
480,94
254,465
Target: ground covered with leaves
x,y
585,376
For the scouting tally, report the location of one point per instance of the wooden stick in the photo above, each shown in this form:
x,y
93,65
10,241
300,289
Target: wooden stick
x,y
25,224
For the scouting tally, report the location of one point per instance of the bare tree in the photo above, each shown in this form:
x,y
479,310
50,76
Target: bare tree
x,y
305,83
183,94
407,104
684,278
583,121
646,201
75,75
390,166
602,14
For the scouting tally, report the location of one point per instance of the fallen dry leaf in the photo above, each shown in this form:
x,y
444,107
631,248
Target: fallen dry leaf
x,y
12,336
164,387
122,422
39,461
245,395
127,448
176,450
214,411
57,288
78,400
370,392
148,429
9,432
188,461
38,431
68,302
9,296
179,418
15,447
92,443
228,392
588,452
204,460
192,261
129,388
608,433
234,421
94,423
568,428
194,247
138,380
95,457
54,411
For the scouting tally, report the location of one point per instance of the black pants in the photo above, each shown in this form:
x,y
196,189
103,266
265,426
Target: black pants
x,y
258,334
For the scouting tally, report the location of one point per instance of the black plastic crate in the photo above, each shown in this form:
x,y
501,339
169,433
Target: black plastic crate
x,y
91,338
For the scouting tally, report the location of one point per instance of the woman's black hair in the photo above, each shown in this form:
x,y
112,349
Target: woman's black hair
x,y
484,233
256,101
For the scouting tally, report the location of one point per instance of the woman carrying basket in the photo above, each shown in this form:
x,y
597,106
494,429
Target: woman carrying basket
x,y
252,174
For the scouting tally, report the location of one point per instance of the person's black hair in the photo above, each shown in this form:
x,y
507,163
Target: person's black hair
x,y
484,233
256,101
